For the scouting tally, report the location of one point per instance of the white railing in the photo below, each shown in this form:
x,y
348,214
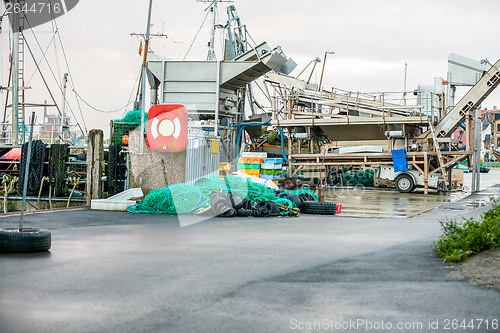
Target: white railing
x,y
48,133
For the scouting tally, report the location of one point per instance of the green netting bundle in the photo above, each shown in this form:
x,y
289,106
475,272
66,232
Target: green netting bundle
x,y
304,191
291,207
175,199
243,187
363,177
133,117
184,198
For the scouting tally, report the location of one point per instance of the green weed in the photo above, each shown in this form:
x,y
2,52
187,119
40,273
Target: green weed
x,y
461,240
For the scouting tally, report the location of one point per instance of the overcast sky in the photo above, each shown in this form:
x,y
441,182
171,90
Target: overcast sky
x,y
372,40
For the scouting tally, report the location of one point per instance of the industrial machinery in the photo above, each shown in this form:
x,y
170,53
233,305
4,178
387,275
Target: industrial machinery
x,y
329,130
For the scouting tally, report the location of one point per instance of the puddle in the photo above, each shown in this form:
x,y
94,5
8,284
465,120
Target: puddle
x,y
387,203
476,204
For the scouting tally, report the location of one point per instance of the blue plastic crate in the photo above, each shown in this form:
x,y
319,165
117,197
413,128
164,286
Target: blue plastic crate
x,y
273,160
270,177
271,166
399,160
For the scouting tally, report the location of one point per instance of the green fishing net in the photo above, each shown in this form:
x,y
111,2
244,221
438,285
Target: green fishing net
x,y
185,198
353,178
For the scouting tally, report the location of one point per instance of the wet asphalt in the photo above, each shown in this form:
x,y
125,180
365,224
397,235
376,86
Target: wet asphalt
x,y
122,272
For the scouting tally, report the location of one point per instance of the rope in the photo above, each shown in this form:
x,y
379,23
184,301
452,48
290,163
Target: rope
x,y
9,183
73,181
44,179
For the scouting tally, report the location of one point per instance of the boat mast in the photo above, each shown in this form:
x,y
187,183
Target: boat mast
x,y
62,129
211,51
15,75
404,92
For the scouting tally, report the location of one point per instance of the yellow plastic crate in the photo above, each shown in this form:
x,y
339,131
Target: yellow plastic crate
x,y
251,172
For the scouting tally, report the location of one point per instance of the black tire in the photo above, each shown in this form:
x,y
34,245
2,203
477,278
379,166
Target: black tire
x,y
268,208
294,198
405,183
319,208
29,240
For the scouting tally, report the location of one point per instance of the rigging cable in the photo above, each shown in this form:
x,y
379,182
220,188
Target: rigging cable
x,y
181,31
53,75
55,31
196,36
46,50
74,88
71,82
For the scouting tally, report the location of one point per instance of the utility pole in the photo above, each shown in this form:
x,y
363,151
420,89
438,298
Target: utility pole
x,y
144,69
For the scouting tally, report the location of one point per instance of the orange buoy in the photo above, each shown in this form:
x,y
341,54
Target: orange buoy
x,y
125,139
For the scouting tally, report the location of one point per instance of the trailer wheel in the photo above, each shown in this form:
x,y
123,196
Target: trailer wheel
x,y
405,183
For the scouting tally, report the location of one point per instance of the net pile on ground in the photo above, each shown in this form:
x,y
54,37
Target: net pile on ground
x,y
184,198
174,199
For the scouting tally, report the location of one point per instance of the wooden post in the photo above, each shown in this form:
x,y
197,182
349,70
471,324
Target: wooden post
x,y
95,160
290,152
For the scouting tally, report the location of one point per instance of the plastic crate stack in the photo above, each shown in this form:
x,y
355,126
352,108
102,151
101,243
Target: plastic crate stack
x,y
271,169
249,163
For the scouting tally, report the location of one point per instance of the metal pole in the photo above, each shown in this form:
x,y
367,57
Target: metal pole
x,y
312,72
323,70
404,92
477,151
217,98
27,172
61,127
15,75
142,101
142,109
310,62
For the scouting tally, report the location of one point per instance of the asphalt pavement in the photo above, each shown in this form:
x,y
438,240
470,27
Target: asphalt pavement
x,y
122,272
